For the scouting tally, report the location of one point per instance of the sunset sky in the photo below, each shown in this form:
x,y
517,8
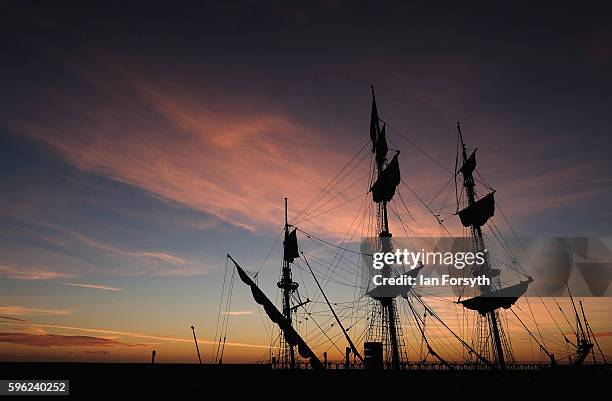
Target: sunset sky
x,y
139,143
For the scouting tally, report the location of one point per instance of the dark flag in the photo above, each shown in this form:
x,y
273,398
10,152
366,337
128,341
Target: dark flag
x,y
291,247
384,188
469,166
381,146
291,336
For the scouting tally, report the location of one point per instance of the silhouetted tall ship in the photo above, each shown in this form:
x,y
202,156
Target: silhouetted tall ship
x,y
400,328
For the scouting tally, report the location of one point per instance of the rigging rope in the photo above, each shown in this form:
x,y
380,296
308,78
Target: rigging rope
x,y
268,255
434,314
311,236
330,185
213,359
415,146
532,336
225,324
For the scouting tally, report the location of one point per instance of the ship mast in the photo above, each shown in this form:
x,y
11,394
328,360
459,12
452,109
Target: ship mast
x,y
468,183
288,286
387,303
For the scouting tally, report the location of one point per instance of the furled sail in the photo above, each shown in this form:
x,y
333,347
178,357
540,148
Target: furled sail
x,y
503,298
374,128
478,213
381,146
384,188
469,166
291,336
291,247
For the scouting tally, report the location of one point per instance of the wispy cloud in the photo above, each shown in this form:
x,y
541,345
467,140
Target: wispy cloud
x,y
129,334
93,286
239,313
544,190
31,273
114,250
18,310
14,319
120,260
96,352
149,261
55,340
184,154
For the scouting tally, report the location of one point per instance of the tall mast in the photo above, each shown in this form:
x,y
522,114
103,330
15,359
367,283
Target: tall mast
x,y
388,303
288,286
468,183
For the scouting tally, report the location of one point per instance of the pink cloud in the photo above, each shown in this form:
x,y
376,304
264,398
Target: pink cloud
x,y
236,166
237,159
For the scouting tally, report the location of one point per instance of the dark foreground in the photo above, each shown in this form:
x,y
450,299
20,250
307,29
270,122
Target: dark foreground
x,y
92,379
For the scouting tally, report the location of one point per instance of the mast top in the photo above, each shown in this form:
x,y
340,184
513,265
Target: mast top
x,y
286,220
461,138
373,93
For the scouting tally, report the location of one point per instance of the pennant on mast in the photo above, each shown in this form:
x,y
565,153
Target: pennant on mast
x,y
291,335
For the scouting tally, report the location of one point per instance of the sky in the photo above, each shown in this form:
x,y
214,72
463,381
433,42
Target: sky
x,y
141,142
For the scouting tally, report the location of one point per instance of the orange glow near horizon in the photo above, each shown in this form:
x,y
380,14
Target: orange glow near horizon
x,y
69,343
